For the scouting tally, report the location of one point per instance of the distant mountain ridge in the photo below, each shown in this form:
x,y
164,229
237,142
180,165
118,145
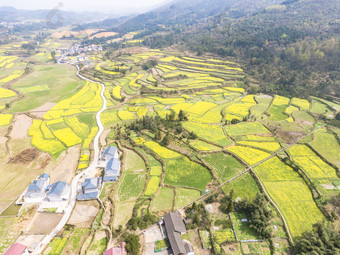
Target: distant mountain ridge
x,y
11,14
187,12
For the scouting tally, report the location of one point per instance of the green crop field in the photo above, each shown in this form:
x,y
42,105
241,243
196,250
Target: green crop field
x,y
61,82
223,165
183,172
185,196
327,146
164,200
131,185
244,186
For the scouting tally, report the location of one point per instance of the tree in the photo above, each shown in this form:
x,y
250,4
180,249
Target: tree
x,y
132,244
53,55
166,140
337,117
182,116
324,239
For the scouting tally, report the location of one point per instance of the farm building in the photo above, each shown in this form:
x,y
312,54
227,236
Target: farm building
x,y
36,190
120,250
89,189
112,170
17,249
58,192
175,227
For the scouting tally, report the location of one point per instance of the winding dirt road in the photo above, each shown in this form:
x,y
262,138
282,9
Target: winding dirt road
x,y
90,171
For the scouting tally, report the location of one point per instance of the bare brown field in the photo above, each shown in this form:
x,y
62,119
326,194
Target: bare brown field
x,y
41,110
84,213
44,223
64,168
82,33
103,34
21,124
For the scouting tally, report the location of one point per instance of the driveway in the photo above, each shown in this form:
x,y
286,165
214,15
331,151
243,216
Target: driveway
x,y
151,235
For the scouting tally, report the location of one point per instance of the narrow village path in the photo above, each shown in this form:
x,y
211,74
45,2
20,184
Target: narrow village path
x,y
90,171
251,168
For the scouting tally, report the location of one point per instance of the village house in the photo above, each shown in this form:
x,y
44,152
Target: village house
x,y
110,162
112,170
17,249
110,153
58,192
120,250
175,227
36,190
89,189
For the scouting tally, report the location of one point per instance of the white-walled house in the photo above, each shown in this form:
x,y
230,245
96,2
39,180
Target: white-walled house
x,y
36,190
89,189
112,170
109,153
58,192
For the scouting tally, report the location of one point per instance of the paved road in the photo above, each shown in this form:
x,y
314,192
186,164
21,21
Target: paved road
x,y
90,171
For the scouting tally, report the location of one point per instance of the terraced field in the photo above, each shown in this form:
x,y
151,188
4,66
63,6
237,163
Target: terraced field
x,y
225,131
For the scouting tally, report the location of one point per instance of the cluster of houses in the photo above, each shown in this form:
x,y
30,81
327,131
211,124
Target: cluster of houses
x,y
65,55
40,190
175,228
77,48
109,161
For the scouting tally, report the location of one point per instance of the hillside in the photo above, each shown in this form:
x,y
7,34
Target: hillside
x,y
292,48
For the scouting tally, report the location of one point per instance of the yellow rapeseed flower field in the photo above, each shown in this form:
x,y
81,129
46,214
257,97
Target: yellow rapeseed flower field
x,y
5,93
160,150
267,146
67,136
280,100
303,104
5,119
249,155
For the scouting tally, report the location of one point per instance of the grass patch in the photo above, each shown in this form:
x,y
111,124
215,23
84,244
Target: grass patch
x,y
164,200
223,165
327,146
243,186
131,185
183,172
185,196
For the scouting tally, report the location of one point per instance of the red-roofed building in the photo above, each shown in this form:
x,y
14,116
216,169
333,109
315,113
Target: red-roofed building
x,y
17,249
120,250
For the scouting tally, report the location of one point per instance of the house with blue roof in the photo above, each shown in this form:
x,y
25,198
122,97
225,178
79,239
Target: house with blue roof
x,y
112,170
58,192
109,153
35,192
89,189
